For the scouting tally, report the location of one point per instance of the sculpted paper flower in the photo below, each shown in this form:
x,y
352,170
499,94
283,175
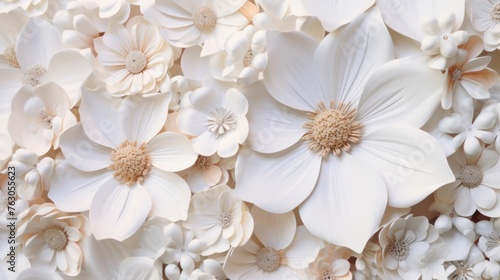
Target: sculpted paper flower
x,y
485,18
196,22
330,263
39,116
51,238
119,167
489,240
12,22
217,120
134,59
207,172
325,122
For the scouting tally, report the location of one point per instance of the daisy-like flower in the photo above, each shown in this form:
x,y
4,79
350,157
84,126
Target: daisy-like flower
x,y
463,269
220,219
313,135
134,59
115,161
330,263
44,112
197,22
476,185
217,120
489,240
280,250
485,18
405,242
469,74
33,173
51,238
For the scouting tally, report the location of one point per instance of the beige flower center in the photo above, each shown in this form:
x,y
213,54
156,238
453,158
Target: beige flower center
x,y
471,176
130,163
136,62
33,75
332,130
328,275
221,120
204,19
202,162
225,219
456,74
463,272
45,118
55,238
269,259
10,55
492,240
399,249
247,59
495,13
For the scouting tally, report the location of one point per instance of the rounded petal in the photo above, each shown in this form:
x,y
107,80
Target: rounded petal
x,y
274,230
484,197
337,200
303,248
171,152
263,179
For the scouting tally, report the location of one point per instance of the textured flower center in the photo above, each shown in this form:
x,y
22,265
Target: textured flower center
x,y
55,238
130,162
33,75
202,162
327,275
10,55
247,59
225,219
471,176
45,118
221,120
462,272
269,259
400,249
135,62
495,13
332,130
493,240
456,74
204,19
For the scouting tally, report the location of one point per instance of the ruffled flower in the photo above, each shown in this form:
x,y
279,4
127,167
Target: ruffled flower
x,y
330,263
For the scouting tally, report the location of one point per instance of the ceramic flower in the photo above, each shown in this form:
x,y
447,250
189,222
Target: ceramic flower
x,y
311,135
330,263
134,59
44,113
485,18
217,120
51,238
115,161
197,22
220,219
281,250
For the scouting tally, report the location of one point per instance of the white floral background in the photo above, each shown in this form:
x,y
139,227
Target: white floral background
x,y
260,139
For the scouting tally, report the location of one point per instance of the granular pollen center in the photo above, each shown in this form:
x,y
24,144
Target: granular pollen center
x,y
327,275
136,62
202,162
10,56
495,13
332,130
130,162
270,259
204,18
33,75
400,249
471,176
55,238
225,219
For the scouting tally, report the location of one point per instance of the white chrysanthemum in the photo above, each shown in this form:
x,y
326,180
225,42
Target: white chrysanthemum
x,y
476,186
217,120
115,161
134,59
196,22
51,238
280,251
243,58
330,263
33,174
485,18
44,112
405,242
219,219
83,21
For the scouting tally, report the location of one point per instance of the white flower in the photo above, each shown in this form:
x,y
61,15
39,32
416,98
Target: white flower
x,y
464,269
366,268
405,242
281,9
219,219
44,113
456,231
217,120
14,21
134,59
282,250
207,172
51,238
330,263
441,41
33,173
196,22
485,18
115,161
489,240
7,147
323,124
140,268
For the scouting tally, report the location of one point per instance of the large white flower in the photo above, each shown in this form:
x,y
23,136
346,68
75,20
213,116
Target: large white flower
x,y
118,167
321,137
196,22
12,23
134,59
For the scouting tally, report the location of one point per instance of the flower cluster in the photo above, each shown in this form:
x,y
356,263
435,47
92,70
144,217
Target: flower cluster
x,y
250,139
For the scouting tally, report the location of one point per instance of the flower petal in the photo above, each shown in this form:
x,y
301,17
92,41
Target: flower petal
x,y
171,152
303,248
274,230
37,43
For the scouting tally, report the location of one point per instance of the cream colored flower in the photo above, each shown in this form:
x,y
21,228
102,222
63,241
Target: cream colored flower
x,y
330,263
51,238
134,59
